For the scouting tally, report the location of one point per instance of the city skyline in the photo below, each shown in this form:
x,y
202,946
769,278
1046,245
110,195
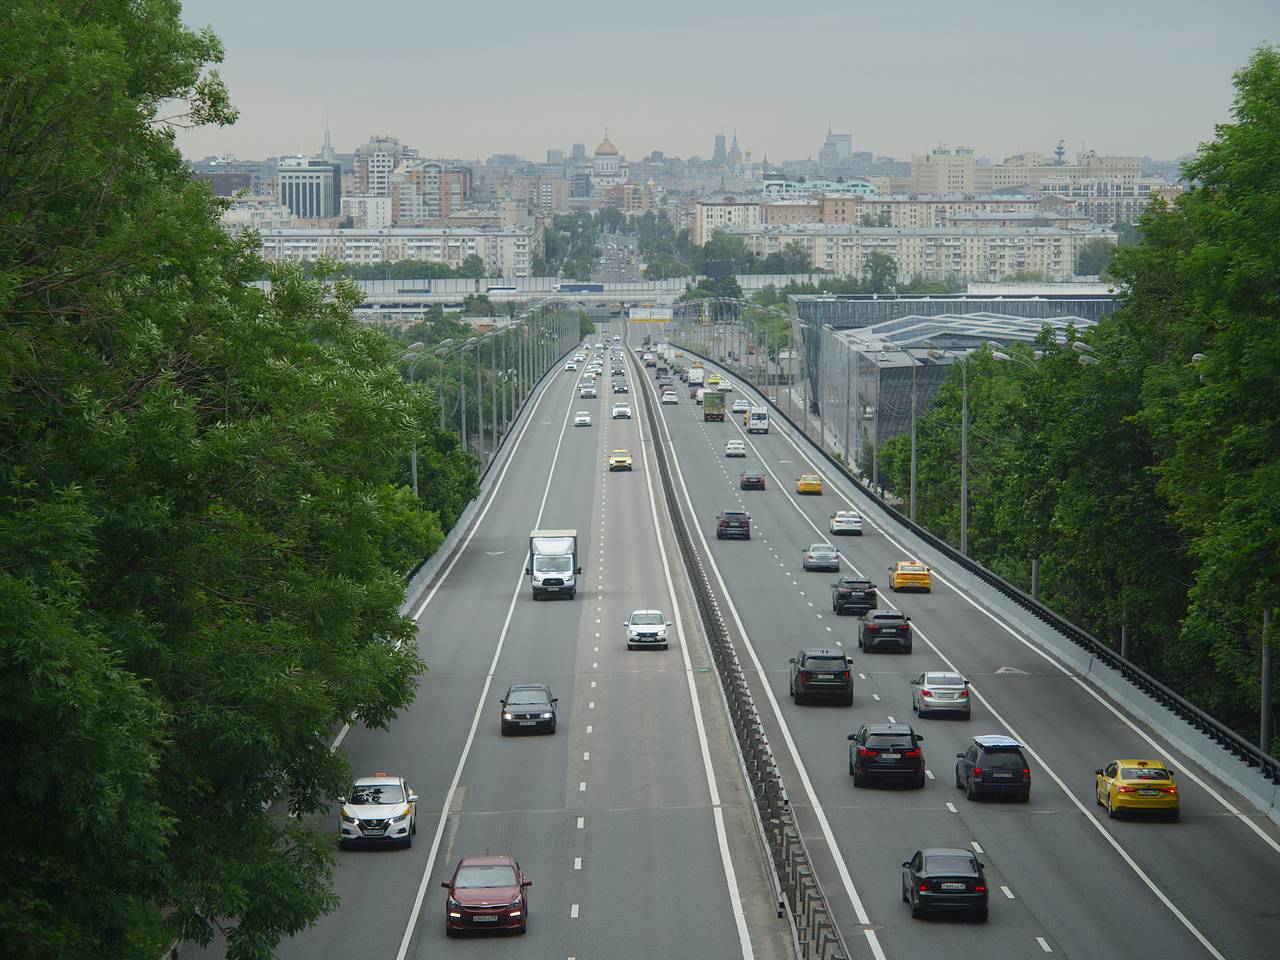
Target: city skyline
x,y
565,72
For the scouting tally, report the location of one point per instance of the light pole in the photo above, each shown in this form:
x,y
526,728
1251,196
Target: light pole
x,y
462,387
413,353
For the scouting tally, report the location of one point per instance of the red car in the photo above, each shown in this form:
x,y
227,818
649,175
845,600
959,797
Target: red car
x,y
486,893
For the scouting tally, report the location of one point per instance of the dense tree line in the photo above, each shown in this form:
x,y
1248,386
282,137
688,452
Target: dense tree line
x,y
1148,483
471,268
204,511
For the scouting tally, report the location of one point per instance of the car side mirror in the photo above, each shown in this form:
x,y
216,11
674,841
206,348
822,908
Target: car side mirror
x,y
915,683
445,884
890,569
413,798
791,660
1098,771
959,756
555,699
908,619
848,661
528,571
503,702
341,799
919,739
626,623
668,623
577,570
526,883
906,863
852,736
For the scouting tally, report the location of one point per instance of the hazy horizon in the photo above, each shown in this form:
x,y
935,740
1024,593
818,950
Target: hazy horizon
x,y
1119,81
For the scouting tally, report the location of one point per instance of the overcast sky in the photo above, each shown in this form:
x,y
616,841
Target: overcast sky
x,y
473,77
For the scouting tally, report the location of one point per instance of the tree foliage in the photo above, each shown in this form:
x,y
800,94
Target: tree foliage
x,y
204,509
1149,482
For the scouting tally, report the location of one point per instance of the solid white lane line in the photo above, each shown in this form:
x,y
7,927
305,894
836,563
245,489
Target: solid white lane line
x,y
846,880
1007,892
713,790
1044,944
1164,748
480,705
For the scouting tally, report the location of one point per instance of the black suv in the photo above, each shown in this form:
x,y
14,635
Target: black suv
x,y
821,673
528,707
994,766
733,523
887,751
852,594
882,629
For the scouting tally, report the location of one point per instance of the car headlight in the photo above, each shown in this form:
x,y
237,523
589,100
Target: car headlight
x,y
506,716
547,716
515,903
400,819
347,819
662,634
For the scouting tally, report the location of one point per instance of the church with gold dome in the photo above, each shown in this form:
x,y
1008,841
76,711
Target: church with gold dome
x,y
607,167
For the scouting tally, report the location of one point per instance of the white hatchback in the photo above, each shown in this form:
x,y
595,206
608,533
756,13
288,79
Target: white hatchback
x,y
735,448
582,419
669,397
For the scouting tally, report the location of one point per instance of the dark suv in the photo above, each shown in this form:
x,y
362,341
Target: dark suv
x,y
889,751
821,673
885,629
852,595
733,523
994,766
528,707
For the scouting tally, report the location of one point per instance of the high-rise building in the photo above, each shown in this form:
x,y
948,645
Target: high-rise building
x,y
835,151
735,153
310,186
426,191
578,153
555,156
718,154
327,151
375,162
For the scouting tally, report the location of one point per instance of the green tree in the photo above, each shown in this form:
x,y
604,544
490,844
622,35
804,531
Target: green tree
x,y
881,272
1094,257
204,509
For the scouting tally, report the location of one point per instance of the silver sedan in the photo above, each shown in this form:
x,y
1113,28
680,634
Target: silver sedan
x,y
821,556
940,692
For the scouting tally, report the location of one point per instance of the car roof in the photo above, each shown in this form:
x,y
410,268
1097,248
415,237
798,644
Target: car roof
x,y
809,476
822,546
928,852
848,513
822,652
376,780
997,741
658,612
530,686
622,453
943,676
884,613
889,728
487,861
733,510
1151,764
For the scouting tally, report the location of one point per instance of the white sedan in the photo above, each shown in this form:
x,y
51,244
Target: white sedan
x,y
740,406
846,521
669,397
735,448
621,411
582,419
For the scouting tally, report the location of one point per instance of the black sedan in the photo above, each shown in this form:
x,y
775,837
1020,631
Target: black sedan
x,y
885,629
945,879
528,707
621,388
751,480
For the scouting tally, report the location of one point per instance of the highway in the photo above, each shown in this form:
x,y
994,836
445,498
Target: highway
x,y
1065,880
632,820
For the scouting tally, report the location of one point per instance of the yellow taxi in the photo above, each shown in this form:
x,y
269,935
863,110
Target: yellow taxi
x,y
589,375
619,460
1136,785
713,379
910,575
809,483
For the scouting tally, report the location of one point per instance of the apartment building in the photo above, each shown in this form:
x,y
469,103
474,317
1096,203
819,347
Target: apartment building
x,y
956,170
309,186
979,253
791,211
542,195
1105,200
710,216
427,191
375,161
506,252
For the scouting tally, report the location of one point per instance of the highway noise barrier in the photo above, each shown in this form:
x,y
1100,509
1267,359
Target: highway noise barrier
x,y
797,891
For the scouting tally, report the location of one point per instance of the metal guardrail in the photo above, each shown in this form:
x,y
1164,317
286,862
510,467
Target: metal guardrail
x,y
1184,709
816,934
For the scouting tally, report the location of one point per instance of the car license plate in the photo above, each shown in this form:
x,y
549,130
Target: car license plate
x,y
527,723
1148,793
1001,775
551,589
374,833
953,886
485,919
824,676
890,756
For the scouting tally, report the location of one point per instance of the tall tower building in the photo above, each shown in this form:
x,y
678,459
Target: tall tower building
x,y
718,155
326,152
735,154
375,162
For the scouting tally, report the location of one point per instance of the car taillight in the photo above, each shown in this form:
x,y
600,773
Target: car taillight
x,y
922,886
724,523
846,674
866,752
1171,789
964,693
914,752
1125,789
977,773
980,887
926,693
803,678
1026,773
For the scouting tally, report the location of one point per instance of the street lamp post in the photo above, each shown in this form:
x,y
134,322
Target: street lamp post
x,y
462,388
412,352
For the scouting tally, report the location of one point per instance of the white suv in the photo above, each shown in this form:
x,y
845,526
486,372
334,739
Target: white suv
x,y
647,628
622,411
735,448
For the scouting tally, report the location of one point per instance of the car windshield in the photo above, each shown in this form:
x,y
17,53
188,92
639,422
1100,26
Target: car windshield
x,y
825,664
822,548
1144,773
555,564
528,696
369,793
647,619
890,741
887,617
948,863
943,680
1004,760
733,514
911,568
496,875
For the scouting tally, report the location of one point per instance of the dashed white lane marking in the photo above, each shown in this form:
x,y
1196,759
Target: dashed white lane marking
x,y
819,616
952,807
588,728
595,649
577,863
586,755
591,705
977,848
891,720
862,676
838,643
1007,892
582,822
573,912
810,602
929,774
875,696
582,786
593,684
595,665
1044,944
